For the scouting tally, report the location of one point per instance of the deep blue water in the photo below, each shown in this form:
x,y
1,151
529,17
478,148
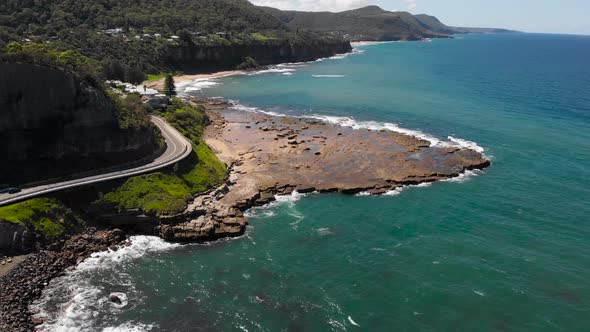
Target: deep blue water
x,y
507,250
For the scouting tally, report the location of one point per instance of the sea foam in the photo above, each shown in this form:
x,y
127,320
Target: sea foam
x,y
397,191
345,121
70,303
328,76
196,85
285,69
265,212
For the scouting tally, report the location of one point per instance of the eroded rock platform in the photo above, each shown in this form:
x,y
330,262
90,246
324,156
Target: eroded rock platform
x,y
277,155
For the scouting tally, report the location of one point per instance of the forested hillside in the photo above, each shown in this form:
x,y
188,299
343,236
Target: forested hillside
x,y
131,37
371,23
368,23
55,18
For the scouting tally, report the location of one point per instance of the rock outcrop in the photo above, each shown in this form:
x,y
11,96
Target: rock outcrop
x,y
53,124
198,58
272,156
35,272
15,239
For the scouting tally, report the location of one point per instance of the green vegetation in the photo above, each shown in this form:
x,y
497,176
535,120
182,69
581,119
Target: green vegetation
x,y
169,87
368,23
248,64
53,55
187,119
131,37
132,112
260,37
46,216
167,192
155,77
84,26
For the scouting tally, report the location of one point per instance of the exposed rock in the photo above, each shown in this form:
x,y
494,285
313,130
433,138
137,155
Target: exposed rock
x,y
34,274
64,125
158,102
199,58
350,161
115,299
15,239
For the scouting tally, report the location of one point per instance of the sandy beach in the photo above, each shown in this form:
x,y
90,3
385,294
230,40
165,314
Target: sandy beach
x,y
7,264
159,84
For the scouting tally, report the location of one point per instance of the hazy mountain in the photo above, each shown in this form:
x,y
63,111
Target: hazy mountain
x,y
371,23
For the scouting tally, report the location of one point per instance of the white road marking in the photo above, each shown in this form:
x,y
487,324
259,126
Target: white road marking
x,y
180,149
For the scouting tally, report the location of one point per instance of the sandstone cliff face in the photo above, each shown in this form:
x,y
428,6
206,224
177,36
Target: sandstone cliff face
x,y
53,124
211,58
15,239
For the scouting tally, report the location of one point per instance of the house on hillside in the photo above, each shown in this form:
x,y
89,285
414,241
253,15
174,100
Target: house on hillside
x,y
113,32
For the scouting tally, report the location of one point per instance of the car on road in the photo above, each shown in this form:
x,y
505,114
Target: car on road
x,y
10,191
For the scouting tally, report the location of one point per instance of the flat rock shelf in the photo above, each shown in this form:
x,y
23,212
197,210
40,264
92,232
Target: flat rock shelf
x,y
272,155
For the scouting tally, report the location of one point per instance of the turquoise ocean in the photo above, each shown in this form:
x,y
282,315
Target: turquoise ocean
x,y
507,249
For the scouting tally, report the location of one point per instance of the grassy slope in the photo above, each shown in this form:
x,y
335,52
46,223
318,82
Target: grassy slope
x,y
158,193
167,191
46,215
155,77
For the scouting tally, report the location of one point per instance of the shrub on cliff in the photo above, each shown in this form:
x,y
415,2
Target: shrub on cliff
x,y
187,119
169,87
45,216
132,113
167,191
248,64
52,55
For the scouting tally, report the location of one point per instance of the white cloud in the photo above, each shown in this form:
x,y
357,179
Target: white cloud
x,y
314,5
411,4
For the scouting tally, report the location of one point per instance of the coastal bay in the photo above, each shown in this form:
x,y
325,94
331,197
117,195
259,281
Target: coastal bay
x,y
505,249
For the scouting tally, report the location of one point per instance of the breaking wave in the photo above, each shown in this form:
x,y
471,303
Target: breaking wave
x,y
345,121
328,76
197,85
277,70
399,190
286,69
72,302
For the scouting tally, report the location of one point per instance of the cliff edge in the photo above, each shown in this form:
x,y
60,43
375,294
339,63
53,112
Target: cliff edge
x,y
53,124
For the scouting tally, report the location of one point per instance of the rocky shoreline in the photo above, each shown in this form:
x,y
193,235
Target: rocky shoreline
x,y
267,156
271,155
25,282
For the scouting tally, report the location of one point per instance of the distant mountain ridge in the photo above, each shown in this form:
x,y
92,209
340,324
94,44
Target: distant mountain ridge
x,y
372,23
133,37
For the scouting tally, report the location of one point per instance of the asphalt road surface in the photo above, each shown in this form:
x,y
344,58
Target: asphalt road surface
x,y
178,148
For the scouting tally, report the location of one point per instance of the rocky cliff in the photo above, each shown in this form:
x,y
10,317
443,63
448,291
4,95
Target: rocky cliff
x,y
53,124
14,238
198,58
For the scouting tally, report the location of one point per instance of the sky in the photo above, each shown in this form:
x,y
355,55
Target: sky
x,y
550,16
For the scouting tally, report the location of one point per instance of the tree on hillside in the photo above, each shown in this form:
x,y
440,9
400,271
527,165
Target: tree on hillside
x,y
248,64
134,74
169,87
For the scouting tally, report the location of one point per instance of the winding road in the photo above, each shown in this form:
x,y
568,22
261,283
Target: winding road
x,y
178,148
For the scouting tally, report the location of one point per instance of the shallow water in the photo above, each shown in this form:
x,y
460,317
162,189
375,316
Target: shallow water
x,y
506,249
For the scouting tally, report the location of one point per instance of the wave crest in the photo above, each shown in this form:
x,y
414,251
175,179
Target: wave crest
x,y
71,302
